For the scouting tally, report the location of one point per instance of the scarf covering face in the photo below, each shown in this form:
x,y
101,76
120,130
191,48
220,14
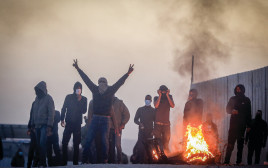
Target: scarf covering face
x,y
103,85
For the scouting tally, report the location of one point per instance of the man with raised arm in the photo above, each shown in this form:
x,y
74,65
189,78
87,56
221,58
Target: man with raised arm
x,y
102,108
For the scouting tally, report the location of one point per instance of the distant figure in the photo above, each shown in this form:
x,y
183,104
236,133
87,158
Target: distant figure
x,y
239,106
162,104
122,116
256,137
211,135
193,109
43,111
75,105
102,107
144,117
18,159
53,142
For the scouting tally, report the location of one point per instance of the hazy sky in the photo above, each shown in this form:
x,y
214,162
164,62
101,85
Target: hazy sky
x,y
39,40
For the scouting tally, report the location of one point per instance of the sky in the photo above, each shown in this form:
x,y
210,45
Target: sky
x,y
40,39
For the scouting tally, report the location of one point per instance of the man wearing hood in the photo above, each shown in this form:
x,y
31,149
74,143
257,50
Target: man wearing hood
x,y
102,108
239,106
18,159
193,109
75,105
162,104
144,117
256,137
42,118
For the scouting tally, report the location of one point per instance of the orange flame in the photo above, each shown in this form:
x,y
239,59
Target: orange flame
x,y
155,154
196,146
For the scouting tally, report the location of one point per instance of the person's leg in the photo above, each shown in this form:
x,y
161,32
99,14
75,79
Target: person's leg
x,y
98,147
65,140
43,146
31,150
250,152
49,151
230,146
257,153
111,154
56,148
240,146
105,129
91,133
118,147
166,137
76,142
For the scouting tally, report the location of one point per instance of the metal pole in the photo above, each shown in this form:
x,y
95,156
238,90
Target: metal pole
x,y
192,78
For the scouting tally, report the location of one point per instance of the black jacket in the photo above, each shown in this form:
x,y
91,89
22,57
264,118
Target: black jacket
x,y
102,103
74,109
193,111
242,104
258,132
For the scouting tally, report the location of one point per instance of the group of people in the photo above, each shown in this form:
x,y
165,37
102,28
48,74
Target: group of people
x,y
108,115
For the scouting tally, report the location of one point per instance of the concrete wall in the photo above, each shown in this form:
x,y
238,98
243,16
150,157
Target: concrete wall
x,y
217,92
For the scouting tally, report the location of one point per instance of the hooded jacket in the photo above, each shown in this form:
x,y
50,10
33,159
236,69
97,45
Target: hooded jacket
x,y
242,104
73,108
43,109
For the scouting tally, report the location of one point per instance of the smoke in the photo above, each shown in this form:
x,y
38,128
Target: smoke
x,y
213,31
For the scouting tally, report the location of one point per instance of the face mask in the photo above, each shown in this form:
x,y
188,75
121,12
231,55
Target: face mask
x,y
147,102
78,91
20,153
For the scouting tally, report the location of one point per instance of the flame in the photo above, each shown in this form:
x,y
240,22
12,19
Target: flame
x,y
196,146
155,154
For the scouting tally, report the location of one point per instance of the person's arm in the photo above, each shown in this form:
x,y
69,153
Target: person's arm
x,y
57,116
122,80
85,78
125,116
114,121
265,132
51,114
157,99
90,111
230,106
137,117
170,99
30,120
248,117
63,111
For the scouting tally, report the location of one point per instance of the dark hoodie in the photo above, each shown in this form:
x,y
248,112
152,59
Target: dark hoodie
x,y
18,160
73,108
242,104
43,109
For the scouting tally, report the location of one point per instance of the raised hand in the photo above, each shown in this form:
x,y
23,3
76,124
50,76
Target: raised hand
x,y
130,69
75,64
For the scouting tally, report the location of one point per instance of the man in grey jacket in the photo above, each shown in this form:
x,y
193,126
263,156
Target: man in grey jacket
x,y
42,119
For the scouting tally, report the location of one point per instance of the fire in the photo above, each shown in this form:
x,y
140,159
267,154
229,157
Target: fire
x,y
197,148
155,155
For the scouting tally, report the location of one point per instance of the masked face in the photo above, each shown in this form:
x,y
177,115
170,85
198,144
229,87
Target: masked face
x,y
148,102
21,153
258,116
78,91
103,85
39,93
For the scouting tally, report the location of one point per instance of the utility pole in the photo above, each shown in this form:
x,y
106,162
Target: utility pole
x,y
192,78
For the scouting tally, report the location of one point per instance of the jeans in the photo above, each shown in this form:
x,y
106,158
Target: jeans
x,y
115,142
53,142
100,124
118,147
41,141
162,132
233,136
70,129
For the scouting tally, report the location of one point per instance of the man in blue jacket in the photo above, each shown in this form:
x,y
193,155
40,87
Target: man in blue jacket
x,y
75,105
